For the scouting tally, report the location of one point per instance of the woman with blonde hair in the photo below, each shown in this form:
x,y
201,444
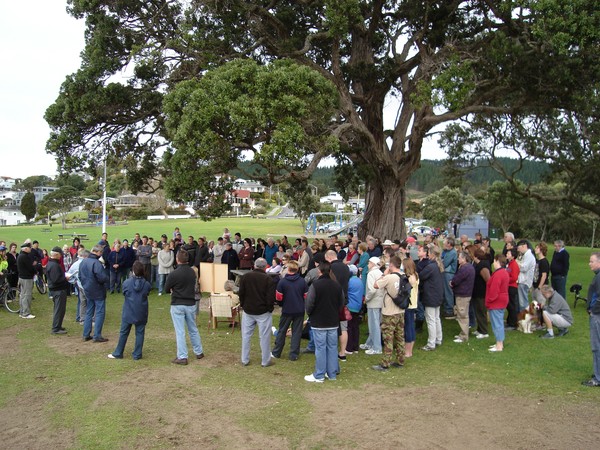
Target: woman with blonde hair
x,y
410,333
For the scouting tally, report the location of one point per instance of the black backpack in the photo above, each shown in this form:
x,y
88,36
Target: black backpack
x,y
402,300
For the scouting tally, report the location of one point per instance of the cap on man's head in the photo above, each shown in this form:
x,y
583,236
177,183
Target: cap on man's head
x,y
164,236
26,245
387,243
411,240
101,242
375,260
397,241
353,269
2,248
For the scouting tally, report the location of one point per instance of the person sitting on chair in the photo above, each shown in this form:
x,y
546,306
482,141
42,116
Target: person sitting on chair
x,y
556,313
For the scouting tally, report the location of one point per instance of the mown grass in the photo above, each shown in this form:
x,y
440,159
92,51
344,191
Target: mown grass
x,y
73,378
154,228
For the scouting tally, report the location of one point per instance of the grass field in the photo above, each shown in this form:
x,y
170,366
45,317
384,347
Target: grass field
x,y
60,392
49,237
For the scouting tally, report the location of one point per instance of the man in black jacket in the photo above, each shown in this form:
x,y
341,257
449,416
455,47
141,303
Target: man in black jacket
x,y
57,287
257,297
26,268
324,300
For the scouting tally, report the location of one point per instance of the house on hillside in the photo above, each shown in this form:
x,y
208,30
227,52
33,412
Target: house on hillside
x,y
11,216
8,183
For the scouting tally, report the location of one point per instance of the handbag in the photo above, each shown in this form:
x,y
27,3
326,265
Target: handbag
x,y
345,314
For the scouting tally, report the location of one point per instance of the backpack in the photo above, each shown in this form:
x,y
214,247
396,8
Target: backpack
x,y
402,300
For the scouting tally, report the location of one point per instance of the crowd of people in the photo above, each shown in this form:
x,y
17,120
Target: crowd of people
x,y
325,288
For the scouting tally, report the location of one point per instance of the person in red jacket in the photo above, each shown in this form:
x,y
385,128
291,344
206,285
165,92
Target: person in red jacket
x,y
513,291
496,300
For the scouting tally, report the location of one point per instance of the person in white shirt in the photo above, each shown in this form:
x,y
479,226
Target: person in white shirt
x,y
527,263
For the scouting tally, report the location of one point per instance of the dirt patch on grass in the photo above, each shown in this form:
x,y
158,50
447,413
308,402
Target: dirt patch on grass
x,y
26,425
181,412
434,417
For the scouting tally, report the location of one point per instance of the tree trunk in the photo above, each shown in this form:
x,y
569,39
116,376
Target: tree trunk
x,y
385,205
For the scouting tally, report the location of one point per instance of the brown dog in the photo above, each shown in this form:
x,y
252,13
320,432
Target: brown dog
x,y
529,316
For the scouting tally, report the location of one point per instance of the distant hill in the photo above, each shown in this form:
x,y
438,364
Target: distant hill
x,y
430,176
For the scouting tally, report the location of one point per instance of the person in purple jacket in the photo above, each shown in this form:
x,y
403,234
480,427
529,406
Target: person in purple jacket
x,y
291,292
462,286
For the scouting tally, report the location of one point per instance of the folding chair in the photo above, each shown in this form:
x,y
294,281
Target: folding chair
x,y
221,308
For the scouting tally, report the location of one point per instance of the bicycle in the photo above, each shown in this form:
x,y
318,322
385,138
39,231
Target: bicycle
x,y
9,296
38,280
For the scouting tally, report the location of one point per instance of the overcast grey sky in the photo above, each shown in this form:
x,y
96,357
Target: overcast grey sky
x,y
41,44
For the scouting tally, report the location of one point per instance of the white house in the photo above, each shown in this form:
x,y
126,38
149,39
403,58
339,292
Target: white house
x,y
10,216
335,199
7,182
249,185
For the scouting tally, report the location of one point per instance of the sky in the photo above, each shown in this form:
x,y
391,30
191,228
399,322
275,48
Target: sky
x,y
41,45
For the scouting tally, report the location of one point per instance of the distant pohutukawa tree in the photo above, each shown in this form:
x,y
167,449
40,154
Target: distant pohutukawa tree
x,y
28,206
288,83
61,202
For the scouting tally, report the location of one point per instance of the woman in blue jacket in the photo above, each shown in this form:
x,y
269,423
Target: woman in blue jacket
x,y
135,312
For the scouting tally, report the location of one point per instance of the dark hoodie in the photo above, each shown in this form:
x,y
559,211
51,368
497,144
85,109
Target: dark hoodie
x,y
135,308
292,291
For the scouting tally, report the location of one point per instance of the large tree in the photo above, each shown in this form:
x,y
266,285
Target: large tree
x,y
430,62
61,202
28,206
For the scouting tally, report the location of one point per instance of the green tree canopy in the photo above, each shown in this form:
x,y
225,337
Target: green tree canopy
x,y
29,183
448,205
433,62
61,202
503,206
73,180
28,206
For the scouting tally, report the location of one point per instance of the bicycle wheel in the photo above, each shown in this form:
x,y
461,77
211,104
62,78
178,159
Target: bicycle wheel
x,y
11,300
40,285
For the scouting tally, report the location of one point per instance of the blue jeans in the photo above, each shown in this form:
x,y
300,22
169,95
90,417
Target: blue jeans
x,y
326,354
182,316
161,282
595,343
124,334
523,296
115,281
559,284
311,340
249,323
96,306
448,294
374,339
497,319
410,332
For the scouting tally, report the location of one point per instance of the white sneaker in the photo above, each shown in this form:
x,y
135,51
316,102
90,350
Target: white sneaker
x,y
458,340
475,333
372,352
482,336
364,347
311,379
160,293
111,356
274,330
30,316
